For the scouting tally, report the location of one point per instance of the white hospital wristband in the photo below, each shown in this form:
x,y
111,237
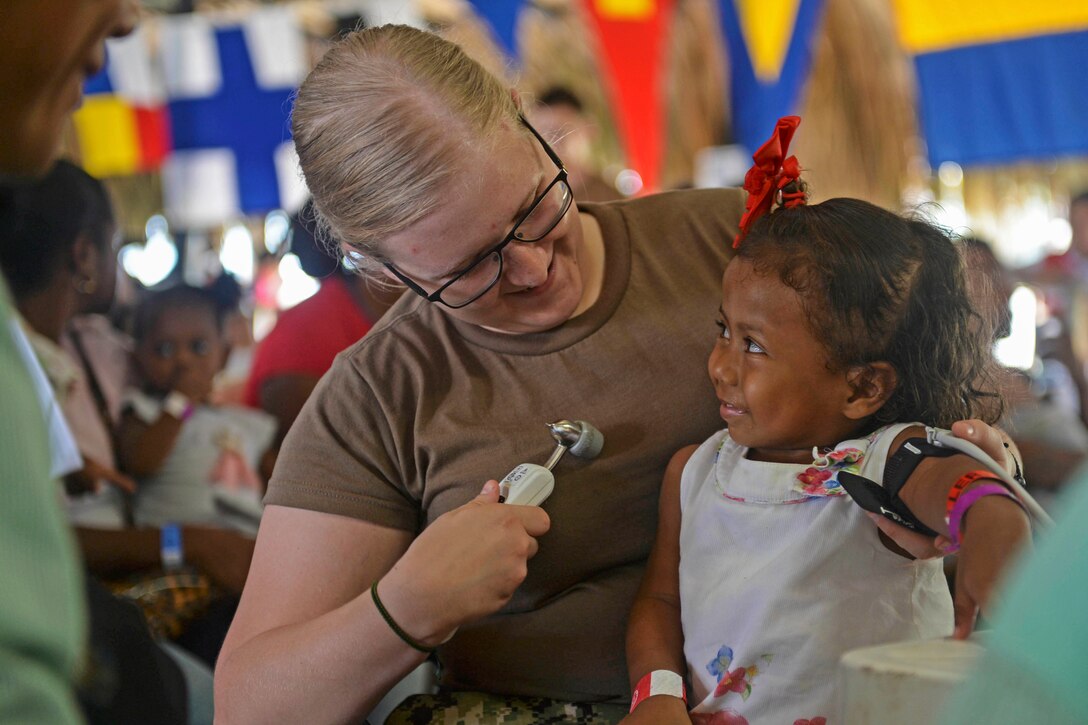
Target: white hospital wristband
x,y
659,682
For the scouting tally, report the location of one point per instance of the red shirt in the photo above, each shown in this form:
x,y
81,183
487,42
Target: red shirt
x,y
308,337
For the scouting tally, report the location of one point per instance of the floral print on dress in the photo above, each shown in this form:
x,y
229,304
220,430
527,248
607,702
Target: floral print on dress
x,y
821,478
738,680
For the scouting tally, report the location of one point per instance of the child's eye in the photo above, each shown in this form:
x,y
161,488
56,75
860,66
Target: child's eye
x,y
724,334
164,349
200,347
751,345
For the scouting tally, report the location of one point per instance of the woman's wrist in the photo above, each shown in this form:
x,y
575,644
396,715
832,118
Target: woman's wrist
x,y
412,613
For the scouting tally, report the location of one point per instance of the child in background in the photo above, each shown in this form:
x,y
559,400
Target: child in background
x,y
195,462
843,328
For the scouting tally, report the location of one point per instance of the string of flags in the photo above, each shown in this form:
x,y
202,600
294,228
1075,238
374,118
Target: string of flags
x,y
206,101
207,106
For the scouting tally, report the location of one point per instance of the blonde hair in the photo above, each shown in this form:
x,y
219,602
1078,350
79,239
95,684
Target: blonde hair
x,y
380,126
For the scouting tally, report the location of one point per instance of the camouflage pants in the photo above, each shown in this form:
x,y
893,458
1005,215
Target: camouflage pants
x,y
477,708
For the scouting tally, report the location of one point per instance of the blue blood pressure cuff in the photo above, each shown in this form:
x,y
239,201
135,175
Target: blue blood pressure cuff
x,y
884,500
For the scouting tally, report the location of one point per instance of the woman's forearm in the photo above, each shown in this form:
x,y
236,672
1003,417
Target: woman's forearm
x,y
334,668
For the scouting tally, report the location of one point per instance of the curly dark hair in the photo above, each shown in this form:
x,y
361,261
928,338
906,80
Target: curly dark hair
x,y
875,286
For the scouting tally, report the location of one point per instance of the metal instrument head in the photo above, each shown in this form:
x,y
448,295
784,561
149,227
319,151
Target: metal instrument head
x,y
579,437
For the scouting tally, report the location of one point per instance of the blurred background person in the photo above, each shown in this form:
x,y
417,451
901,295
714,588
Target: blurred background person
x,y
197,462
1049,432
47,48
306,338
62,273
61,266
1063,279
559,116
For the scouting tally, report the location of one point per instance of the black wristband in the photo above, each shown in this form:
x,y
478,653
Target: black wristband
x,y
405,637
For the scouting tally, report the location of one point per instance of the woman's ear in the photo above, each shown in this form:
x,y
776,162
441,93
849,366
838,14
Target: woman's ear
x,y
516,96
871,385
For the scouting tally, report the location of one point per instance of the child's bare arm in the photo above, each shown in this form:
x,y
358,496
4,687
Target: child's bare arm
x,y
143,447
996,444
655,640
998,529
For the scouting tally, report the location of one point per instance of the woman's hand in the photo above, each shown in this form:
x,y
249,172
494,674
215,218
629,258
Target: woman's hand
x,y
464,566
988,438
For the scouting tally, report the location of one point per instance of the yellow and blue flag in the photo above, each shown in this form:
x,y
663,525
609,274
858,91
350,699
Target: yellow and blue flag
x,y
770,55
122,125
502,16
999,80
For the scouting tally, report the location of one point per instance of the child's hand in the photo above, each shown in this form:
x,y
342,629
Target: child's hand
x,y
111,476
88,478
997,531
194,385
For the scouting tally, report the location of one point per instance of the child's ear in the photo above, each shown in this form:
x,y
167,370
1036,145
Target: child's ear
x,y
871,386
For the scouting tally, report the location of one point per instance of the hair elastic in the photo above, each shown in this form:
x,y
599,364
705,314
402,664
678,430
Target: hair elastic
x,y
405,637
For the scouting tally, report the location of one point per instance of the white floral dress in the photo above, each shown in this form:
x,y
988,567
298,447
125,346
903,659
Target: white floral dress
x,y
781,573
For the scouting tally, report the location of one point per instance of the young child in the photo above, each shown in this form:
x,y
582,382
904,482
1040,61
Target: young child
x,y
842,328
195,462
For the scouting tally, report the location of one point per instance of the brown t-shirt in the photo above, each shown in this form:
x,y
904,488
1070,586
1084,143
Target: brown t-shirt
x,y
411,420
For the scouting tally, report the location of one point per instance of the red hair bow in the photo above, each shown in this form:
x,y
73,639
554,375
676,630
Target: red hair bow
x,y
770,173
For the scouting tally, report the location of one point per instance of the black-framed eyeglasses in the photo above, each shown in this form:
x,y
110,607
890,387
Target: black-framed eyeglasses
x,y
480,275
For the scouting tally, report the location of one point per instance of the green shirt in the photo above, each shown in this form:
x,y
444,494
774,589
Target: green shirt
x,y
1037,654
43,622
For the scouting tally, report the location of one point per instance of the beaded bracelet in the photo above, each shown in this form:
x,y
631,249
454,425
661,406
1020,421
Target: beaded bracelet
x,y
405,637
